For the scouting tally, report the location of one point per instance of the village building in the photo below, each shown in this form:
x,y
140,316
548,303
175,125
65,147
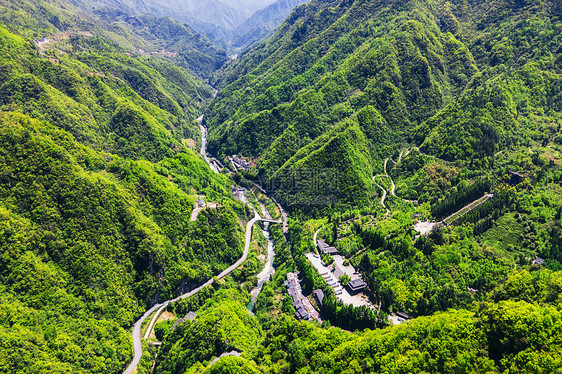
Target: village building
x,y
240,163
356,285
319,296
325,248
515,178
403,315
239,193
294,290
538,261
301,312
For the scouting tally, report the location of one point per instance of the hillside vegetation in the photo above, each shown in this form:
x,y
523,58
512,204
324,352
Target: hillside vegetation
x,y
518,335
132,106
97,187
88,240
463,80
132,30
365,119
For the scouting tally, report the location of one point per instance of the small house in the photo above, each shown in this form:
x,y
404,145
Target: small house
x,y
403,315
240,163
538,261
301,312
318,295
356,285
239,193
325,248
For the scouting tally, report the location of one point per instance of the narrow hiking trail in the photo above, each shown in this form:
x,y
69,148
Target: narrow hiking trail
x,y
403,153
384,192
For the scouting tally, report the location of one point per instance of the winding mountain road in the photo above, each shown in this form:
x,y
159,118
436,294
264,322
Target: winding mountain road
x,y
384,193
137,343
316,239
393,186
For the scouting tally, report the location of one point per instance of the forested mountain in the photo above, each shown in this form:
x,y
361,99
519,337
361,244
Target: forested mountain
x,y
263,22
230,24
97,188
131,106
463,80
123,30
420,139
89,239
223,14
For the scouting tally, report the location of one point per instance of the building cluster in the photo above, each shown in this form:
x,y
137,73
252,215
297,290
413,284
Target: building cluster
x,y
240,163
324,248
332,282
239,193
294,290
356,283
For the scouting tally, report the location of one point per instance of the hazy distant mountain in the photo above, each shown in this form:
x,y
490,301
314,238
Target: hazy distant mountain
x,y
250,5
222,13
227,23
226,14
263,22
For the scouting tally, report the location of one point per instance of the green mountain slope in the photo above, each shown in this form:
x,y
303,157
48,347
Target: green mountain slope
x,y
183,45
222,325
334,168
97,187
493,336
445,342
132,106
98,184
88,240
463,84
121,25
507,109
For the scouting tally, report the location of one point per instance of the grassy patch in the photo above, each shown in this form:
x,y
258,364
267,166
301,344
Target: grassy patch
x,y
505,234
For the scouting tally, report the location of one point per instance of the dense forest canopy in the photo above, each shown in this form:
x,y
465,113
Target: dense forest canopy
x,y
461,80
97,189
421,140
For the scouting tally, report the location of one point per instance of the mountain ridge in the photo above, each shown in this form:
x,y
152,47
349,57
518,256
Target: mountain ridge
x,y
401,59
